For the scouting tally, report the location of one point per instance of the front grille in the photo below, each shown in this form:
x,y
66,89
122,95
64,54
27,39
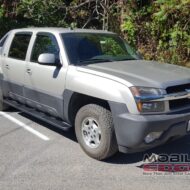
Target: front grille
x,y
178,88
180,103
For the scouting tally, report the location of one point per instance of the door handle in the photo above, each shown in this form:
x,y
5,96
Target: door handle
x,y
7,66
29,71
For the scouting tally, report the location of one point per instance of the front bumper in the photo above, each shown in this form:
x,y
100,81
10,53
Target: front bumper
x,y
131,130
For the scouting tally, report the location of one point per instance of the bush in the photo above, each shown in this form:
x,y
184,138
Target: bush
x,y
160,30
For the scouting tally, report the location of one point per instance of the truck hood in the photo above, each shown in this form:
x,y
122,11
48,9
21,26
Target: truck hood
x,y
145,73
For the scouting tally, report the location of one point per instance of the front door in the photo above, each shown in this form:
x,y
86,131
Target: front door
x,y
44,84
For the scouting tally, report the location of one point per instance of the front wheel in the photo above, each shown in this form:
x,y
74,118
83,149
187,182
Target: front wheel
x,y
95,131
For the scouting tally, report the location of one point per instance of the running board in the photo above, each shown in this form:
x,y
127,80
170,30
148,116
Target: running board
x,y
39,115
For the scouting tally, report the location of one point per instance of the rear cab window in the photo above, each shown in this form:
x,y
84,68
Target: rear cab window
x,y
19,46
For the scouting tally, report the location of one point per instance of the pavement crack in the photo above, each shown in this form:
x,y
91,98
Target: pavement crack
x,y
9,132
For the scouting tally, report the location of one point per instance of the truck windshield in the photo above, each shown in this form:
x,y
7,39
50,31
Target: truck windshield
x,y
89,48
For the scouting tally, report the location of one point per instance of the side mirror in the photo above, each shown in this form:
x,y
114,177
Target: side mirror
x,y
47,59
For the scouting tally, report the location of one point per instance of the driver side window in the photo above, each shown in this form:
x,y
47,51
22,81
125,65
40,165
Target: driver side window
x,y
45,43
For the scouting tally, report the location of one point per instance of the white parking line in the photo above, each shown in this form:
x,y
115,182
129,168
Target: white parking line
x,y
24,126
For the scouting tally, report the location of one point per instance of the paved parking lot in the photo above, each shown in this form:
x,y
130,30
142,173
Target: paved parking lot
x,y
34,155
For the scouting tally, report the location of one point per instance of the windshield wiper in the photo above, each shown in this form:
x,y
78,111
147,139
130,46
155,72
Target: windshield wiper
x,y
95,60
126,59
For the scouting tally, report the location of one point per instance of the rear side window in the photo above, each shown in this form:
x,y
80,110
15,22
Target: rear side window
x,y
19,46
45,43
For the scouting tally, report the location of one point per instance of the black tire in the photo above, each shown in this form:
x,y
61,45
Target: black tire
x,y
108,144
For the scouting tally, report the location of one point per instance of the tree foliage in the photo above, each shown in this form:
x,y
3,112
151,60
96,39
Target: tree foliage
x,y
159,29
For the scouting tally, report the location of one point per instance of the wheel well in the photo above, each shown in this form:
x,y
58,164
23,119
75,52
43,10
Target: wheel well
x,y
79,100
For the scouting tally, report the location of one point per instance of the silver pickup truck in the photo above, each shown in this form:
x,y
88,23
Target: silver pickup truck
x,y
93,80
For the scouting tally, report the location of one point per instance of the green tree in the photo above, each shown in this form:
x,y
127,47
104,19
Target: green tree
x,y
159,29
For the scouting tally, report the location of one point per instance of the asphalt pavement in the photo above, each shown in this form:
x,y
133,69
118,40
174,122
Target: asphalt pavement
x,y
37,156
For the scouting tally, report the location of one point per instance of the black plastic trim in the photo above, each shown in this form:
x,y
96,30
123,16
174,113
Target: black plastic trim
x,y
44,117
131,129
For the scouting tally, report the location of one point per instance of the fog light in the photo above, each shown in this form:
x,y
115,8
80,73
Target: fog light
x,y
188,126
152,136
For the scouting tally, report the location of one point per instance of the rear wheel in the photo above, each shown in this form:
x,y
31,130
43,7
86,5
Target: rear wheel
x,y
95,131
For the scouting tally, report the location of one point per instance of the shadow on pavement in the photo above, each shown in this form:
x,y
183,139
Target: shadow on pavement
x,y
180,146
70,134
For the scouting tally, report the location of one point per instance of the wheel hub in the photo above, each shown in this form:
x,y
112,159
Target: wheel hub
x,y
91,132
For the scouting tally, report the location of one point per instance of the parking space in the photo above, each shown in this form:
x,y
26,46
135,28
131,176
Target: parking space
x,y
56,161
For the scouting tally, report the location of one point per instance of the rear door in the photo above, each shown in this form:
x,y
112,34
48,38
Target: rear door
x,y
2,44
45,84
14,65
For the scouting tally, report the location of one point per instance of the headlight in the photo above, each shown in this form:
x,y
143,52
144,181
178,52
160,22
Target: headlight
x,y
146,99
